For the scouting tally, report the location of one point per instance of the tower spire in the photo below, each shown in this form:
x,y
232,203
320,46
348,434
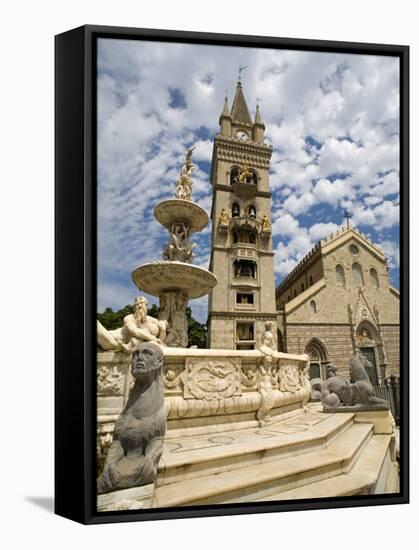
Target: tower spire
x,y
258,118
225,109
259,126
225,119
239,111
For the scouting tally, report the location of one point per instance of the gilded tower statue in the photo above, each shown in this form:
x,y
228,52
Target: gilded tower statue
x,y
241,252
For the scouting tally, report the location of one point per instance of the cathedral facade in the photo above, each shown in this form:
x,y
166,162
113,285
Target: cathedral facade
x,y
338,300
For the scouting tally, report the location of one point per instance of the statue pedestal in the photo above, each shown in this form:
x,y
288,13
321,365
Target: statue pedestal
x,y
383,420
134,498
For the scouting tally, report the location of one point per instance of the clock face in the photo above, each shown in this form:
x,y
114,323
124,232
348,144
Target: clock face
x,y
242,135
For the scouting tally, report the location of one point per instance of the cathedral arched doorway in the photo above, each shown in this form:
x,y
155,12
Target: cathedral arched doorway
x,y
370,344
319,358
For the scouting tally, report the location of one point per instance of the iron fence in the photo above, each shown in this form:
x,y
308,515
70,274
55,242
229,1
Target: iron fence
x,y
389,390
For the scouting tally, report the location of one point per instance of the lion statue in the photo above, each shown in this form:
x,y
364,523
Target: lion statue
x,y
359,393
137,445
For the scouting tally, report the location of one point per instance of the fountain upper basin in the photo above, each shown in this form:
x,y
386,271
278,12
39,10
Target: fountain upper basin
x,y
179,210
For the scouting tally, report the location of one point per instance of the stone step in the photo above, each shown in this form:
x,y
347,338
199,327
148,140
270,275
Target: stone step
x,y
361,479
256,482
193,457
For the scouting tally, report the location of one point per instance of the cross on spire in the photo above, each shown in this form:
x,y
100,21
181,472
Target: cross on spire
x,y
241,69
348,217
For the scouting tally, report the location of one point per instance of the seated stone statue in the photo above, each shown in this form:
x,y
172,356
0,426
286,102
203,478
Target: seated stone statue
x,y
138,327
338,392
137,445
268,346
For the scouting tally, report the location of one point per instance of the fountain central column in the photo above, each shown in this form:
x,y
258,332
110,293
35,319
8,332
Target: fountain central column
x,y
174,279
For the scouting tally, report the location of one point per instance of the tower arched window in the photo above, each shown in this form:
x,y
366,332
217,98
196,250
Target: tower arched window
x,y
235,210
357,277
234,174
313,306
252,211
245,268
340,275
254,177
374,278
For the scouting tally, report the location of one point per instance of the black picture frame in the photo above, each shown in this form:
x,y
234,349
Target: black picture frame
x,y
75,272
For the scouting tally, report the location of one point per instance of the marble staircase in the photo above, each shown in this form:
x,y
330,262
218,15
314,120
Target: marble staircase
x,y
302,455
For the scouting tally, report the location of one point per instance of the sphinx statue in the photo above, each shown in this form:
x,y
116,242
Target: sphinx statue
x,y
137,444
339,394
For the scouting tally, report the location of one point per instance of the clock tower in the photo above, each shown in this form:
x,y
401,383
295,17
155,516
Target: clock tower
x,y
241,251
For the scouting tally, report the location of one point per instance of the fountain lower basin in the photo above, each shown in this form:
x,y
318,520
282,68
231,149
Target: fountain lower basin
x,y
158,277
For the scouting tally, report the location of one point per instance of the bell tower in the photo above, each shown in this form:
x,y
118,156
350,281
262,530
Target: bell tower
x,y
241,246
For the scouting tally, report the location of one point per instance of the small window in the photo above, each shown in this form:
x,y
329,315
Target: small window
x,y
354,250
340,275
243,298
313,306
357,277
244,331
311,280
295,293
374,278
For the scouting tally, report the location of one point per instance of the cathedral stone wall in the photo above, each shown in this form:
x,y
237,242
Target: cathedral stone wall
x,y
336,341
391,338
303,281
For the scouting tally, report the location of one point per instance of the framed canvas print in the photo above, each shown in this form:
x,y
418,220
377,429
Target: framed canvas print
x,y
231,274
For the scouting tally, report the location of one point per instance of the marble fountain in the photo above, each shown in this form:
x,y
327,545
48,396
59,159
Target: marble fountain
x,y
239,424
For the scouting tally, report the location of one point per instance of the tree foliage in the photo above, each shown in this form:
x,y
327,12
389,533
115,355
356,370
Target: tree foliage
x,y
114,319
197,332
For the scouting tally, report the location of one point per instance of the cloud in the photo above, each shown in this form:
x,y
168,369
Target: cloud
x,y
332,120
332,192
392,252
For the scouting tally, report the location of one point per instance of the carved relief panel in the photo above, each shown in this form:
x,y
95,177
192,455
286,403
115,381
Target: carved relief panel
x,y
212,378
